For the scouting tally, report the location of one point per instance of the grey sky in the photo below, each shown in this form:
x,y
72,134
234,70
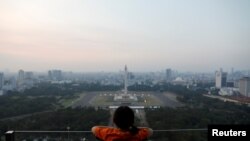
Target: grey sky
x,y
104,35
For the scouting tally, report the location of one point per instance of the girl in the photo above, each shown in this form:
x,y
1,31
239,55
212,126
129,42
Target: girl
x,y
125,130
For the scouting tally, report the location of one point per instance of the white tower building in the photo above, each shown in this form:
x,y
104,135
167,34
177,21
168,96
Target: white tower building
x,y
125,98
220,79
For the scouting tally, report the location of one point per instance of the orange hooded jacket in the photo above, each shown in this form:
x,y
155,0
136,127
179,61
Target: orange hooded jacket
x,y
116,134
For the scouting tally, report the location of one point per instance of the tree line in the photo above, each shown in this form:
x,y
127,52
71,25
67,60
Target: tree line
x,y
78,119
199,112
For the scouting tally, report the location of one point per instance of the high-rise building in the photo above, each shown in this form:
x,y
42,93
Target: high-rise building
x,y
50,74
168,75
29,75
29,79
1,80
125,79
244,86
13,83
21,78
55,75
220,79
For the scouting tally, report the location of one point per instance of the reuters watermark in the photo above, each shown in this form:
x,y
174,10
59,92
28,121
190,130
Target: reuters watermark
x,y
221,132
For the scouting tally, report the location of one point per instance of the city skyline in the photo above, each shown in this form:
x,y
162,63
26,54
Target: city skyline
x,y
84,36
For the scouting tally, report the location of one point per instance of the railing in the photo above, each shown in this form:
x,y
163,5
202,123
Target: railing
x,y
87,135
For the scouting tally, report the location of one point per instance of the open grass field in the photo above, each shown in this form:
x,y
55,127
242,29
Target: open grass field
x,y
147,99
143,100
67,102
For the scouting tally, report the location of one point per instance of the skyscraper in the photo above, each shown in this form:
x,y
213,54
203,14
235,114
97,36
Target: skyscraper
x,y
244,86
220,79
126,80
168,75
21,78
1,81
29,75
55,75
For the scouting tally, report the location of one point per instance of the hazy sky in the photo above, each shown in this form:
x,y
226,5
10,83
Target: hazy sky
x,y
104,35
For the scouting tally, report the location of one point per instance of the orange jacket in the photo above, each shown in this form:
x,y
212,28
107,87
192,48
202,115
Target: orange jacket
x,y
116,134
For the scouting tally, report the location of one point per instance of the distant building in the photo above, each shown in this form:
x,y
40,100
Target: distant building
x,y
20,80
1,80
168,75
179,81
226,91
29,75
244,86
236,84
55,75
13,83
29,79
21,76
230,84
220,79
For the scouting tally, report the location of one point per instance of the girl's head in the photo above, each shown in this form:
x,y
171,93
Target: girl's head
x,y
124,117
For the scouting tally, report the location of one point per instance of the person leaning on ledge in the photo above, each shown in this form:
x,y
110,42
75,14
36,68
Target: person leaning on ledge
x,y
124,129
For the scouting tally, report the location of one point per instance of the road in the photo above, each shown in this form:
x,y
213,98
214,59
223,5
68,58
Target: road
x,y
84,101
25,115
168,101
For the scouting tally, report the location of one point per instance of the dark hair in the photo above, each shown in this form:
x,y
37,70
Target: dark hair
x,y
124,119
